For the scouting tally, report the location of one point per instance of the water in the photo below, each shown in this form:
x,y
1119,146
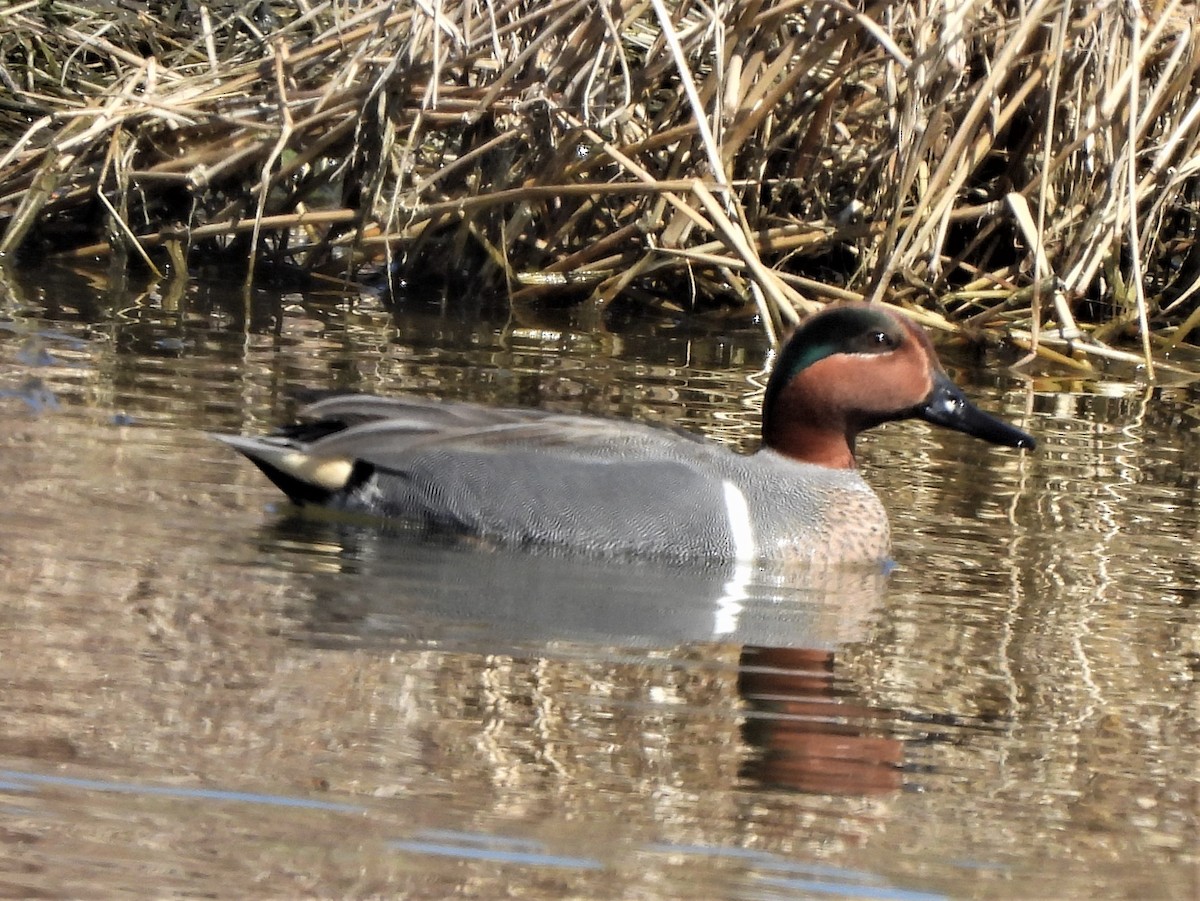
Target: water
x,y
204,695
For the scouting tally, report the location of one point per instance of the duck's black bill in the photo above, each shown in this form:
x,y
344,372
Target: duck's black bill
x,y
948,406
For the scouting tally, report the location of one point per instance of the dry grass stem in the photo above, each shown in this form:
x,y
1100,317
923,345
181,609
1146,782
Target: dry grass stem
x,y
956,157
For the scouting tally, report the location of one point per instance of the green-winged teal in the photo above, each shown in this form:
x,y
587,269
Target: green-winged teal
x,y
530,477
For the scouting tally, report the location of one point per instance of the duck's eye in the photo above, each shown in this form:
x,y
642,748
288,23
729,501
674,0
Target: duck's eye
x,y
880,341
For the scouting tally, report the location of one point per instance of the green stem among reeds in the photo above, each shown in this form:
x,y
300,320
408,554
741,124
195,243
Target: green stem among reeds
x,y
1029,169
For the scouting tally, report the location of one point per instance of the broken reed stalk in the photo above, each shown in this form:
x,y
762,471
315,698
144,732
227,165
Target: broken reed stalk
x,y
768,155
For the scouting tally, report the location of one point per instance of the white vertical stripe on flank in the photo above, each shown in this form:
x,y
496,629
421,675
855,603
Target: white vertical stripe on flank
x,y
740,529
741,532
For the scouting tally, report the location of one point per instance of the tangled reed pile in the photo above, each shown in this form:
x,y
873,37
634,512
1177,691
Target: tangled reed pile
x,y
1031,166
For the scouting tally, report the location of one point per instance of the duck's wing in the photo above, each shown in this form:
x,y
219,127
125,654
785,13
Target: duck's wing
x,y
565,481
385,430
546,479
333,413
421,413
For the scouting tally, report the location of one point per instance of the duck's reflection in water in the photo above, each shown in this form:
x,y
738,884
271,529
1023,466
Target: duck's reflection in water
x,y
810,732
803,727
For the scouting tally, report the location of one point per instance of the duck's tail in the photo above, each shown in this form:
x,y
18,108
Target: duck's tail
x,y
303,477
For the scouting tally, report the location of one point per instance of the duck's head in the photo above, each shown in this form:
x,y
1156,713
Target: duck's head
x,y
852,367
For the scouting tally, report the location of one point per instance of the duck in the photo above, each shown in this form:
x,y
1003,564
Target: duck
x,y
531,478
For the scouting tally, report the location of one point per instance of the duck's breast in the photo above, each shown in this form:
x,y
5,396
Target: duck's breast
x,y
800,512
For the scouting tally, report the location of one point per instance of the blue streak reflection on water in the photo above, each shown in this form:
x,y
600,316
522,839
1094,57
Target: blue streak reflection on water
x,y
768,870
25,781
451,843
822,879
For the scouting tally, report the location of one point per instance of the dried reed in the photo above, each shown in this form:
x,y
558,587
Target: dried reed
x,y
1027,168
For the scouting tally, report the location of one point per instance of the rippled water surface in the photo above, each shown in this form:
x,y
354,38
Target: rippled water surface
x,y
202,694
